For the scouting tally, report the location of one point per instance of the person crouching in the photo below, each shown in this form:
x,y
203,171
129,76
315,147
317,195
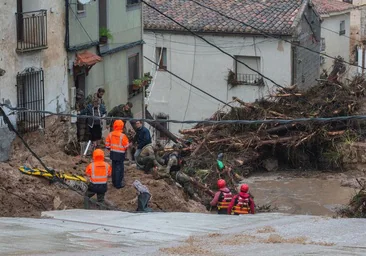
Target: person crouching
x,y
143,198
98,172
242,203
222,197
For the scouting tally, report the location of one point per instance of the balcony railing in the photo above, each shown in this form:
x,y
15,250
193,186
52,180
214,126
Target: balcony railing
x,y
31,30
252,79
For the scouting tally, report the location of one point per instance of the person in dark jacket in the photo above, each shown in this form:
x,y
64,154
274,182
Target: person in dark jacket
x,y
242,203
142,138
222,197
96,111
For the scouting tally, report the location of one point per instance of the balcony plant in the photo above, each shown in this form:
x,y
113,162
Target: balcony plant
x,y
104,35
144,81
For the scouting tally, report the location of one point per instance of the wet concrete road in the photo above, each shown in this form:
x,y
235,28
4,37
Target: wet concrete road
x,y
79,232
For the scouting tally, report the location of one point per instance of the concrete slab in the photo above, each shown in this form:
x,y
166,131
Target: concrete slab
x,y
80,232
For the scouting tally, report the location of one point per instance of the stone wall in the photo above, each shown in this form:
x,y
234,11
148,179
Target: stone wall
x,y
353,156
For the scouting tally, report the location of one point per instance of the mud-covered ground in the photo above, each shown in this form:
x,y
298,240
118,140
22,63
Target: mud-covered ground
x,y
300,192
27,196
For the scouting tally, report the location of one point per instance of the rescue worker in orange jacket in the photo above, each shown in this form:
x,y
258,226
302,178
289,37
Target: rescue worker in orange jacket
x,y
117,143
242,203
97,172
222,197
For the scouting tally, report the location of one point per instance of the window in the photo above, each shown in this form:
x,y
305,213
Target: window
x,y
342,28
161,58
158,134
322,44
30,95
102,14
80,8
130,2
244,75
348,1
31,30
133,72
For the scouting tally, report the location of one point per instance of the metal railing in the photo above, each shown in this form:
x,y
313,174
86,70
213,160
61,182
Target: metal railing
x,y
253,79
30,92
31,30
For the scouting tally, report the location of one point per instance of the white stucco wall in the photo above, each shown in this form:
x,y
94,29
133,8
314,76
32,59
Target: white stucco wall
x,y
335,44
207,68
52,60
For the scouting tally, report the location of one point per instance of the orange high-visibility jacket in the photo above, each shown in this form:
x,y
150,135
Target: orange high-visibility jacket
x,y
98,171
117,141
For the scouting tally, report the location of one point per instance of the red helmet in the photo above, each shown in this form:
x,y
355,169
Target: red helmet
x,y
221,183
244,188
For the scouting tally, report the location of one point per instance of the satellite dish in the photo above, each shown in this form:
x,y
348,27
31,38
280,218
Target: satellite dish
x,y
83,1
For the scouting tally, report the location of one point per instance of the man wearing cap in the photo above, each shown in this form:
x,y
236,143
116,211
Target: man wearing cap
x,y
123,110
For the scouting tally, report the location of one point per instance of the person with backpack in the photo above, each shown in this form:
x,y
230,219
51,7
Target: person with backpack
x,y
242,203
222,197
174,165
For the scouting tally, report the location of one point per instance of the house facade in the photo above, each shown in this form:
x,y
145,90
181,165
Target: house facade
x,y
187,56
335,31
35,63
112,63
358,34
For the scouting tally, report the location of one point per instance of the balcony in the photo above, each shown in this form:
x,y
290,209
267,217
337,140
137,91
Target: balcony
x,y
249,79
31,30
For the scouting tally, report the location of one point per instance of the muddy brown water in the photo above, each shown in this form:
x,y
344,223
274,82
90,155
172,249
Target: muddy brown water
x,y
311,196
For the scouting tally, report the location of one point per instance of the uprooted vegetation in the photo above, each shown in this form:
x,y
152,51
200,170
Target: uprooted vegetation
x,y
357,205
300,144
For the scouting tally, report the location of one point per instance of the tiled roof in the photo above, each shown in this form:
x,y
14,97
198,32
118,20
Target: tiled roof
x,y
86,58
272,16
327,7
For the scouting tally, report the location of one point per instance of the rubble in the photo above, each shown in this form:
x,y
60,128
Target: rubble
x,y
357,205
268,146
27,196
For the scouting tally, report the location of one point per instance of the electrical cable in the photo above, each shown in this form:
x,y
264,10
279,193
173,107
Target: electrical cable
x,y
52,172
190,88
25,200
262,32
250,122
166,70
82,26
213,45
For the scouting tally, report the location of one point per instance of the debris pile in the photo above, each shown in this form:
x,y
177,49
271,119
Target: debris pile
x,y
357,205
269,145
27,196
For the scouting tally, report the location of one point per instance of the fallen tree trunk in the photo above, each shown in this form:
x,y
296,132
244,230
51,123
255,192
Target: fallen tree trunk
x,y
201,186
196,130
281,128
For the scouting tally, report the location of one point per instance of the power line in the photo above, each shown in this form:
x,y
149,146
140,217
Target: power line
x,y
262,32
52,172
279,9
82,26
249,122
213,45
189,83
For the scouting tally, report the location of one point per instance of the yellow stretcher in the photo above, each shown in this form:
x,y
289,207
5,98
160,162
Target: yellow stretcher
x,y
46,174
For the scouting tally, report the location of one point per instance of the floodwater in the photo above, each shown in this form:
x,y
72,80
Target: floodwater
x,y
313,196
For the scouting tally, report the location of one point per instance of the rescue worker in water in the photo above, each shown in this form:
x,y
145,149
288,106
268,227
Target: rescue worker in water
x,y
222,197
242,203
97,172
